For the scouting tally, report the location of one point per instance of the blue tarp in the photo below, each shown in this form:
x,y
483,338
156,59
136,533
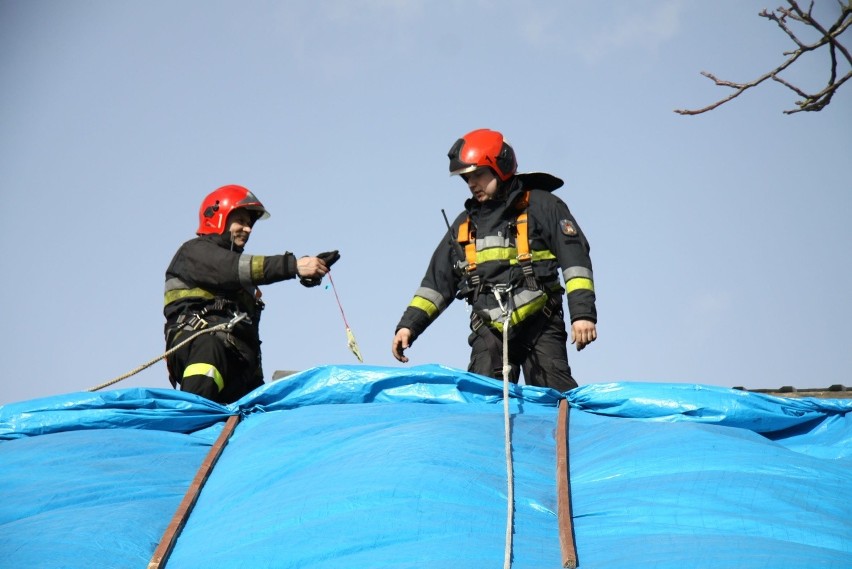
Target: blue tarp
x,y
371,467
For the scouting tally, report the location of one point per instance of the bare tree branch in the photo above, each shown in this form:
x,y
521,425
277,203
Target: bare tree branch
x,y
828,38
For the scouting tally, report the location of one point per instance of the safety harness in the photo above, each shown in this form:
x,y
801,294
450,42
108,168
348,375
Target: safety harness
x,y
213,315
467,239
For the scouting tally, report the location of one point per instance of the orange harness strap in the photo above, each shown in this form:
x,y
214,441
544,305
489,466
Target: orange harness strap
x,y
522,239
467,239
522,242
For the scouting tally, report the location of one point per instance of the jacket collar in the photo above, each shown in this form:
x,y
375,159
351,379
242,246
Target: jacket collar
x,y
504,199
223,241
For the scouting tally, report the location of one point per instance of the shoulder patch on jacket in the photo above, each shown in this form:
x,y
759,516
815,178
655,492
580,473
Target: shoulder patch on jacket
x,y
567,227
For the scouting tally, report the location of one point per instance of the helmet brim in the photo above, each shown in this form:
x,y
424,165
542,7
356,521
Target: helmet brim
x,y
464,170
258,211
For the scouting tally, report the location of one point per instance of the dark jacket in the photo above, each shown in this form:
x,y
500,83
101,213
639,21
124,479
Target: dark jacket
x,y
556,242
210,277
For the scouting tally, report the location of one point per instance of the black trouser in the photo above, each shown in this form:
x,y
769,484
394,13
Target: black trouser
x,y
209,366
538,346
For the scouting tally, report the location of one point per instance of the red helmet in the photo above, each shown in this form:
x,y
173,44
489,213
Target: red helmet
x,y
213,215
483,147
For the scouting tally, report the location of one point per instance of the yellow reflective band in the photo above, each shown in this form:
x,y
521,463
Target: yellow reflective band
x,y
510,254
528,309
205,369
542,255
426,306
179,294
523,312
257,268
579,284
496,254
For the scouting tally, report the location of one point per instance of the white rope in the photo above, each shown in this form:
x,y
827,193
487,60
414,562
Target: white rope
x,y
507,369
510,513
223,326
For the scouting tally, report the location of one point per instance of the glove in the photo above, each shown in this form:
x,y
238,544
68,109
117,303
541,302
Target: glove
x,y
329,258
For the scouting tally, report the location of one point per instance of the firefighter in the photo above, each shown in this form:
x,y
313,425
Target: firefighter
x,y
503,255
211,281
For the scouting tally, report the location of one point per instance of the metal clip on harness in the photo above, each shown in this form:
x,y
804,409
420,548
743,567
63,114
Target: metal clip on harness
x,y
238,316
499,291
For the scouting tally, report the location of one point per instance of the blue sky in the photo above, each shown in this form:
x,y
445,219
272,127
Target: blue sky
x,y
721,242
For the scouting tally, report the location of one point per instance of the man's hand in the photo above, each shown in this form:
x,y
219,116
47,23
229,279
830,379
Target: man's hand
x,y
311,270
311,267
583,333
401,342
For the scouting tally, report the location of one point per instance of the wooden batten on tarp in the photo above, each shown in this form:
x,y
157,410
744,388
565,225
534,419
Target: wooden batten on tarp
x,y
563,490
167,542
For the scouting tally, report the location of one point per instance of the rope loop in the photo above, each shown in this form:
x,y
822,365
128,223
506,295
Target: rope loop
x,y
219,327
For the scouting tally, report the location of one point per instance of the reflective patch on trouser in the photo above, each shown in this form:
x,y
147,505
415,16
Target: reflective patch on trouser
x,y
207,370
238,375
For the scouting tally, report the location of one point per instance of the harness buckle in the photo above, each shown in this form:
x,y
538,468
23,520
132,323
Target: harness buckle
x,y
197,322
475,322
553,301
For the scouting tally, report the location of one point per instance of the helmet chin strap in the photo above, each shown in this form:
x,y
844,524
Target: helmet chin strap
x,y
233,243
